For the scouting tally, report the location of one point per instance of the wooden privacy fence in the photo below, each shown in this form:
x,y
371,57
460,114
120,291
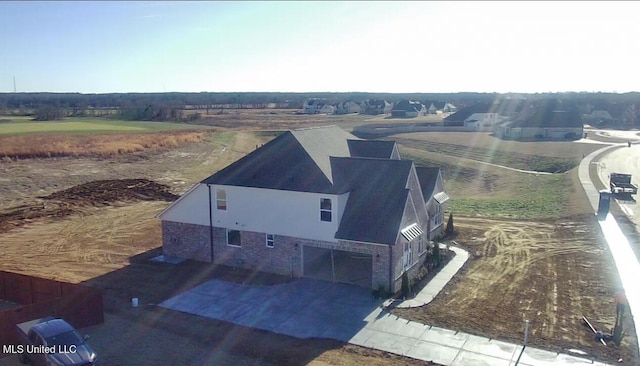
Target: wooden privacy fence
x,y
79,305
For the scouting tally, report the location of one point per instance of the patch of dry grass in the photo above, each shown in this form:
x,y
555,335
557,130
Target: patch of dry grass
x,y
39,146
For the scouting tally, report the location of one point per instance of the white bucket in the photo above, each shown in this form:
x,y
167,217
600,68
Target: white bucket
x,y
134,302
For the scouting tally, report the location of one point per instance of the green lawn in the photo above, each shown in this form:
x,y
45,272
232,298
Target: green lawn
x,y
87,125
481,190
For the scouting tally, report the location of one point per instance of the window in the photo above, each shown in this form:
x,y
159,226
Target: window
x,y
270,240
437,219
407,258
233,238
221,199
325,209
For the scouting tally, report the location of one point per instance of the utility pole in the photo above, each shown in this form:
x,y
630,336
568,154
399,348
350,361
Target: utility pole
x,y
14,85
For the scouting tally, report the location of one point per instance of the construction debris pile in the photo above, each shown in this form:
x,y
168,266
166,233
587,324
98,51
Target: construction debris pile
x,y
96,193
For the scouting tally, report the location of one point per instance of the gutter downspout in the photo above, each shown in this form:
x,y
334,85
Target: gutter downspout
x,y
391,269
210,224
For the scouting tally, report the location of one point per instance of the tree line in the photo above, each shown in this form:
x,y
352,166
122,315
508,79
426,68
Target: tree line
x,y
172,106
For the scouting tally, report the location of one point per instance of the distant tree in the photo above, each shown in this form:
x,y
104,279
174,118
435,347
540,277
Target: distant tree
x,y
47,112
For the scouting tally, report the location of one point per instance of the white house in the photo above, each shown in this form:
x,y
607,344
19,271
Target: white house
x,y
483,120
317,203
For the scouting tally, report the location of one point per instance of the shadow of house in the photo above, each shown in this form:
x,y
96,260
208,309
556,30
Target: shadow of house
x,y
127,330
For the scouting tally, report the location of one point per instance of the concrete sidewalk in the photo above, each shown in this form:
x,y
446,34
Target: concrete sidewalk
x,y
437,283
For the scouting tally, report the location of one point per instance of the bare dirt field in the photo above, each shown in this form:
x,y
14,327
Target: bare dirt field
x,y
92,220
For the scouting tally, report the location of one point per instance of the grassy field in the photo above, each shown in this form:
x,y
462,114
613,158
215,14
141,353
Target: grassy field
x,y
21,125
484,190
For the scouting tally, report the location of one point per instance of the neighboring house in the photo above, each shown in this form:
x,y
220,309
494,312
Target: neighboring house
x,y
549,120
436,107
484,116
347,107
316,106
408,109
375,107
597,116
317,203
449,108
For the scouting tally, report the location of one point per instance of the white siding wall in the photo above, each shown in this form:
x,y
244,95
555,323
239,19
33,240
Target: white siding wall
x,y
295,214
482,120
192,207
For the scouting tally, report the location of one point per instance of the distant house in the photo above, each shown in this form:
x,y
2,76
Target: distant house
x,y
436,107
597,116
408,109
484,116
548,120
347,107
317,203
375,107
317,106
449,108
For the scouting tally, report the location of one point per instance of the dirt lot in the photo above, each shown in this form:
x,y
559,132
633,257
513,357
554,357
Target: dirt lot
x,y
548,272
92,220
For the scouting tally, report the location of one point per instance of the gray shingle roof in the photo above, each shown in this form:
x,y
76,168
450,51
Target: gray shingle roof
x,y
332,161
427,178
371,148
294,161
281,164
377,196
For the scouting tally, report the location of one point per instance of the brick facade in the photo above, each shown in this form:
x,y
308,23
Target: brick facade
x,y
285,258
186,241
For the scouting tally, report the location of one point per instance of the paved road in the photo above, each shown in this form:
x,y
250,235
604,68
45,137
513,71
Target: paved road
x,y
622,160
625,260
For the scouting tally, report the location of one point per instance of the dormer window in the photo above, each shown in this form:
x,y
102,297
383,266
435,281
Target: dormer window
x,y
325,209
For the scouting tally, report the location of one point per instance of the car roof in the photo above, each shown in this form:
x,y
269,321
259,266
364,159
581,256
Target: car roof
x,y
52,327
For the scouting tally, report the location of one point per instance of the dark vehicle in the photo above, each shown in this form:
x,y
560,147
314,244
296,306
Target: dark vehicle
x,y
53,341
621,184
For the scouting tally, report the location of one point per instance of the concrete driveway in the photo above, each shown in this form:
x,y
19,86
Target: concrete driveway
x,y
309,308
304,308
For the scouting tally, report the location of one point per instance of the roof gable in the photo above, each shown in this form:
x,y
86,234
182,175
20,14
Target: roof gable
x,y
296,160
322,142
282,164
377,197
428,177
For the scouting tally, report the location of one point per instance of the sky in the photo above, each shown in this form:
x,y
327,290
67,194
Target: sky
x,y
324,46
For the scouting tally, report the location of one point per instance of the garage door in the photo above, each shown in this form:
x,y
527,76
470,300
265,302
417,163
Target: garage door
x,y
337,266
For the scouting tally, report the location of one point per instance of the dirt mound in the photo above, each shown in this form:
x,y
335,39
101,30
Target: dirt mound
x,y
109,191
72,200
